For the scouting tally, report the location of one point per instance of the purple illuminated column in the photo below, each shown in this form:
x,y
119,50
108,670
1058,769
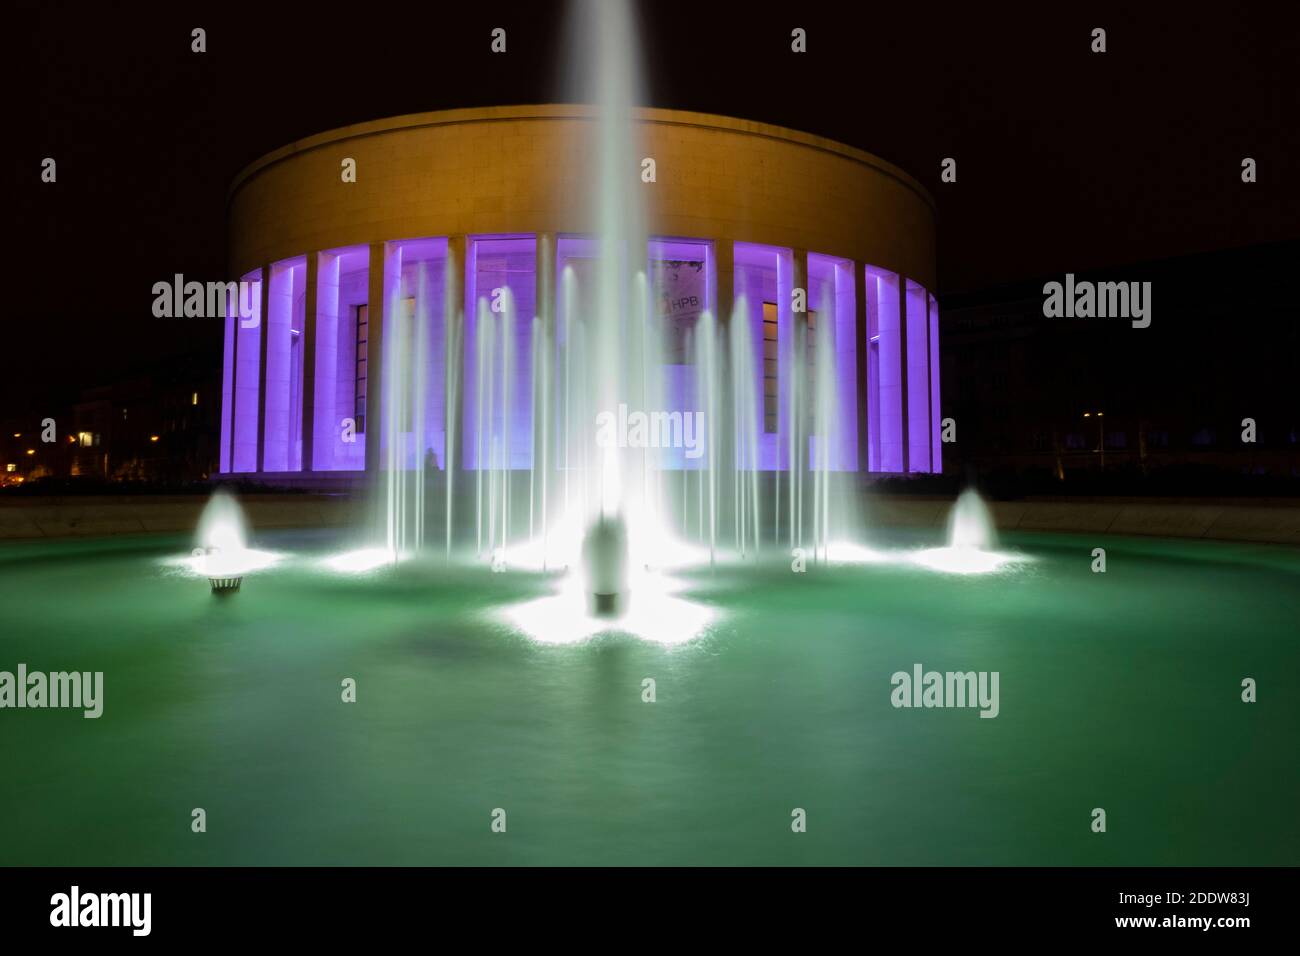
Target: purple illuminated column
x,y
885,370
846,367
936,431
832,296
862,344
279,369
722,301
544,306
378,301
454,299
917,338
228,381
246,387
308,427
468,372
785,356
264,312
799,328
325,378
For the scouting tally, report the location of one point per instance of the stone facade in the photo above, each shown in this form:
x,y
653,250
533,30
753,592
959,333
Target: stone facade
x,y
859,230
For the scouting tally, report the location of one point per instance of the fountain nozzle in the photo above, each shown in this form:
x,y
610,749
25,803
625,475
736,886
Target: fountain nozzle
x,y
604,561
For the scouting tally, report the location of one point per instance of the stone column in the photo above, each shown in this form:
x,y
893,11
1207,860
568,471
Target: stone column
x,y
544,303
724,279
308,424
862,343
234,379
454,354
902,376
545,279
931,358
799,280
376,309
261,367
722,428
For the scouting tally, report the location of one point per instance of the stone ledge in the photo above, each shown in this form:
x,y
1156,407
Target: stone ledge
x,y
102,516
1237,521
24,518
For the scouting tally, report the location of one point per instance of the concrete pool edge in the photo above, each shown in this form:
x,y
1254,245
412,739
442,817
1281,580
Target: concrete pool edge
x,y
1270,522
1232,520
101,516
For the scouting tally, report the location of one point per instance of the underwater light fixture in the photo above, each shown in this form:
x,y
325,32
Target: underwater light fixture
x,y
225,585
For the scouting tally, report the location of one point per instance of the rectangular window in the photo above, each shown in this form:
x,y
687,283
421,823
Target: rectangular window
x,y
359,394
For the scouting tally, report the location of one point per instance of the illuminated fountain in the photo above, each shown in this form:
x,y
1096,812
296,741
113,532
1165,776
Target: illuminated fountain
x,y
222,554
543,491
488,403
970,526
972,540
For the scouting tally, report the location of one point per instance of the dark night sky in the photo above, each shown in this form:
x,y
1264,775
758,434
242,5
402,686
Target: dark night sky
x,y
1066,160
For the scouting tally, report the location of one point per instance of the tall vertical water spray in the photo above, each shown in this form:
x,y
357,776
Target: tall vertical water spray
x,y
622,361
527,474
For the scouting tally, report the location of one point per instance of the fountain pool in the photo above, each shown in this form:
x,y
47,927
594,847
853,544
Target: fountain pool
x,y
1117,690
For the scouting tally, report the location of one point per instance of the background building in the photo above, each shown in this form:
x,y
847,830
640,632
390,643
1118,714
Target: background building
x,y
157,424
465,202
1046,404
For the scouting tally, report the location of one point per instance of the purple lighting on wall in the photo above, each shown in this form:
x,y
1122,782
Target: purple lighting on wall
x,y
884,371
264,356
342,291
497,262
247,357
228,379
831,297
936,442
682,274
423,265
918,378
763,282
286,300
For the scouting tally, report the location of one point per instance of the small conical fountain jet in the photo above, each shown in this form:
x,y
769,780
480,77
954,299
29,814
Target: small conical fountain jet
x,y
222,543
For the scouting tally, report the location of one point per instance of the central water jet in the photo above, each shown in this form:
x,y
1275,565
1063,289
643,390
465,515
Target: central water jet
x,y
604,565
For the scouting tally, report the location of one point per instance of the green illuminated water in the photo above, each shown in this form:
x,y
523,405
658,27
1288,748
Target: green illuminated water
x,y
1117,690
